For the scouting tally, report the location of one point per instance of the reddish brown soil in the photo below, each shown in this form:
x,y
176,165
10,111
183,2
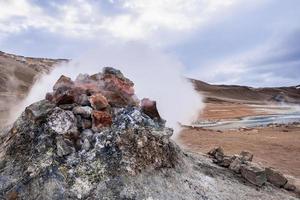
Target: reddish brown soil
x,y
278,147
227,111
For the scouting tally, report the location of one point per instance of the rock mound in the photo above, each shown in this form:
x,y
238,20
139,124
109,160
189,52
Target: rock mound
x,y
93,139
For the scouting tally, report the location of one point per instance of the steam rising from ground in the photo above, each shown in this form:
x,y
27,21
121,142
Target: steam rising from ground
x,y
156,75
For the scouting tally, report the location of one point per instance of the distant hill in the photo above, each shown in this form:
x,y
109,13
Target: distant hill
x,y
248,94
17,75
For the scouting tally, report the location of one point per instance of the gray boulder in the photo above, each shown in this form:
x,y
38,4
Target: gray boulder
x,y
39,110
62,122
236,164
84,111
275,177
246,156
254,174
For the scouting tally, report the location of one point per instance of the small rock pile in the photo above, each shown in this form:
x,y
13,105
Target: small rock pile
x,y
87,130
93,139
252,172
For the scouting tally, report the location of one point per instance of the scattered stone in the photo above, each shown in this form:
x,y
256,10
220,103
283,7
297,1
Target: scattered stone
x,y
86,144
254,174
246,156
67,106
64,147
101,119
121,89
84,111
63,96
217,154
38,111
82,100
98,101
227,160
236,164
62,122
49,96
83,78
150,109
293,185
63,82
289,186
86,123
275,177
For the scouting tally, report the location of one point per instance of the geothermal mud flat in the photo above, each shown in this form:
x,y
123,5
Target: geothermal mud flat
x,y
241,118
276,145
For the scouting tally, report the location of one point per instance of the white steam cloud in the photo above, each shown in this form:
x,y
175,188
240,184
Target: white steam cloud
x,y
156,75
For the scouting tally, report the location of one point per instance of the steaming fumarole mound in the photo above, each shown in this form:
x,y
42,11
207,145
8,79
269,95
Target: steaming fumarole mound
x,y
92,139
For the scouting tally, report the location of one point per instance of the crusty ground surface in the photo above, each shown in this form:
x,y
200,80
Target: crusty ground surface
x,y
278,147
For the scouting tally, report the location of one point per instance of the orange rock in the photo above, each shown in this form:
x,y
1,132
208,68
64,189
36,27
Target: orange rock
x,y
88,88
98,101
115,83
101,119
63,81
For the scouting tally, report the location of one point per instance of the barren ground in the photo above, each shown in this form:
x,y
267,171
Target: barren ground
x,y
278,147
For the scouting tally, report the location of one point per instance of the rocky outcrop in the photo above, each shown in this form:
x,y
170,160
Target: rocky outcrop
x,y
252,172
275,177
107,146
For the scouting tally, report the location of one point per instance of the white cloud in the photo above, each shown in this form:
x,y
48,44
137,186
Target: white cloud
x,y
263,65
140,19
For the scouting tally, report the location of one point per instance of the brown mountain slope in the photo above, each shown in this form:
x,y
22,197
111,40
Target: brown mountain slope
x,y
248,94
17,75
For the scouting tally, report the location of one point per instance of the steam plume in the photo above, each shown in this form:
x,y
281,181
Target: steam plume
x,y
155,74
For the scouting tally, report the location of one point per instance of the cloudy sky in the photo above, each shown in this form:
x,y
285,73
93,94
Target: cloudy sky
x,y
248,42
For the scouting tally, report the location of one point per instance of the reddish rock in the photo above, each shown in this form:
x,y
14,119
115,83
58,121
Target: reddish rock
x,y
63,96
115,99
88,88
114,83
101,119
98,101
49,96
150,109
63,81
121,89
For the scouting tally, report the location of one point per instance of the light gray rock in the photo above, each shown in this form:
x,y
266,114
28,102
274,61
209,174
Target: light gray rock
x,y
254,174
246,156
289,186
217,154
62,122
84,111
63,146
82,100
275,177
235,165
227,160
